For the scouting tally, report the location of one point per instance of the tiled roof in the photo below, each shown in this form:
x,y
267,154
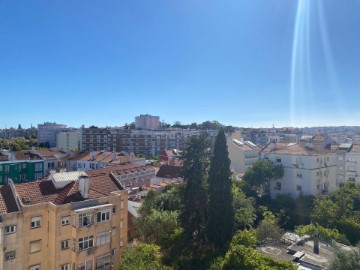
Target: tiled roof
x,y
7,200
169,171
101,184
26,155
298,149
102,156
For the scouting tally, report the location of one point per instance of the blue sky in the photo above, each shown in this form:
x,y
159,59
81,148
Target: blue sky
x,y
104,62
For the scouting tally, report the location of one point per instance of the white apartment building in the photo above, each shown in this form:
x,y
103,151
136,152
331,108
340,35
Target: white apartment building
x,y
348,163
242,154
146,121
68,140
47,132
310,168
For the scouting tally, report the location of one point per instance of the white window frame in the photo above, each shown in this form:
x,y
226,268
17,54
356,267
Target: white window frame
x,y
10,255
10,229
86,265
103,238
65,220
35,267
35,222
35,246
65,266
103,215
87,242
64,245
88,217
103,260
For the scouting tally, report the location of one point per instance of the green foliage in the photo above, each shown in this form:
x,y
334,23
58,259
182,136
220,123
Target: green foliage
x,y
142,257
18,144
268,228
345,260
194,198
326,234
246,238
241,257
221,212
244,208
340,211
261,173
157,227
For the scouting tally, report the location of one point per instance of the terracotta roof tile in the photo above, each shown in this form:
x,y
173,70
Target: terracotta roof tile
x,y
169,171
7,200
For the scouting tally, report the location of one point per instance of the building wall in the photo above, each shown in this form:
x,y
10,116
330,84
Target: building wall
x,y
47,132
68,140
21,171
147,122
307,175
52,232
147,142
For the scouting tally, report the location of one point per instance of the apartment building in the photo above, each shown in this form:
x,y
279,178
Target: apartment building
x,y
348,163
146,121
21,171
242,154
147,142
68,140
70,221
310,167
47,132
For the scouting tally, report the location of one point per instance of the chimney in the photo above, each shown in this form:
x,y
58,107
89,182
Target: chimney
x,y
84,186
92,155
33,150
132,157
113,156
316,242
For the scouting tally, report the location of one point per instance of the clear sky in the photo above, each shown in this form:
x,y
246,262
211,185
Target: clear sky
x,y
104,62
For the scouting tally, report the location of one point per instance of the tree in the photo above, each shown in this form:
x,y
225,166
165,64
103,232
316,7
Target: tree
x,y
246,238
344,259
261,173
268,228
142,257
194,198
221,212
241,257
157,227
19,126
327,234
244,208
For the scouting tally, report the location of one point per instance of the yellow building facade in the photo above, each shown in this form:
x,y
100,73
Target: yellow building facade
x,y
68,222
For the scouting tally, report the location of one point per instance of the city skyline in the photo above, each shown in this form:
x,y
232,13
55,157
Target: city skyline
x,y
246,64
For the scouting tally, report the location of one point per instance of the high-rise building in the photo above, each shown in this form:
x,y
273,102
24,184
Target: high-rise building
x,y
146,121
47,132
68,140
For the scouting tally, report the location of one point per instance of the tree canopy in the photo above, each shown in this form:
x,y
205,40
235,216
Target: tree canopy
x,y
221,212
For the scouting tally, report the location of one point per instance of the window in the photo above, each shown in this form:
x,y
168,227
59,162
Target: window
x,y
35,222
65,267
10,255
278,159
7,168
35,267
79,165
299,175
35,246
38,167
352,179
65,244
38,175
299,188
10,229
65,220
114,210
103,215
87,265
103,261
0,168
85,219
86,242
278,186
24,165
103,238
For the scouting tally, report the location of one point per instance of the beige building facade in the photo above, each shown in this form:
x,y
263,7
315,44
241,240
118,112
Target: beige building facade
x,y
67,222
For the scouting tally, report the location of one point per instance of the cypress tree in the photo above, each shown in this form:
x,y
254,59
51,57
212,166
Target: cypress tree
x,y
193,216
221,212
